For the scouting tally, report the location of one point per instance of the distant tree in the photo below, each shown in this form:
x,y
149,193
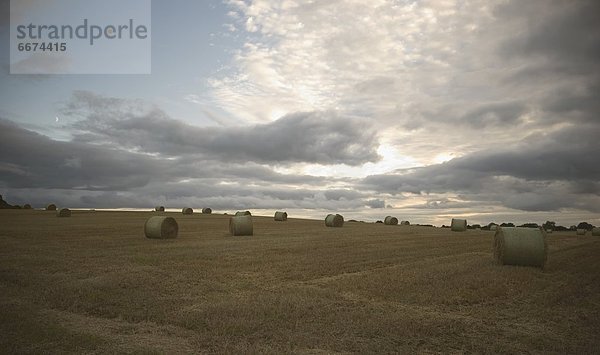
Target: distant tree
x,y
379,222
585,225
476,226
561,228
488,226
529,225
509,224
549,225
5,205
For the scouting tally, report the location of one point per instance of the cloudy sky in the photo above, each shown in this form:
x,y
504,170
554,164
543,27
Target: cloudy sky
x,y
419,109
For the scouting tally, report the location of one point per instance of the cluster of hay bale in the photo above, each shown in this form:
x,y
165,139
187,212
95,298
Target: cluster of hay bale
x,y
390,221
63,212
206,210
159,208
458,225
334,220
51,207
241,225
187,210
281,216
161,227
243,213
405,223
520,246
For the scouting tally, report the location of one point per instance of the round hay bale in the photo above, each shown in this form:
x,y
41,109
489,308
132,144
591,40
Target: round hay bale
x,y
281,216
159,208
243,213
334,220
241,225
206,210
390,221
520,246
161,227
596,231
27,206
405,223
63,212
581,231
458,225
187,210
51,207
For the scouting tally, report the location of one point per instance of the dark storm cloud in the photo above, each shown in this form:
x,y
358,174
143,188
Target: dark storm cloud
x,y
375,203
560,56
583,105
563,155
445,203
497,114
547,172
569,33
313,137
338,194
29,159
481,115
36,169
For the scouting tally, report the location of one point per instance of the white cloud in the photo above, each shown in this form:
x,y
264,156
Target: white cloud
x,y
390,61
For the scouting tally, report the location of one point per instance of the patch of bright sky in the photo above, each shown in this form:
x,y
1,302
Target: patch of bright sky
x,y
189,44
391,159
443,157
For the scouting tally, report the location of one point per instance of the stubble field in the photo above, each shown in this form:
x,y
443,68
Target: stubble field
x,y
92,283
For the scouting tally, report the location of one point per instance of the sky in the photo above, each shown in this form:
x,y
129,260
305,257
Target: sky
x,y
424,110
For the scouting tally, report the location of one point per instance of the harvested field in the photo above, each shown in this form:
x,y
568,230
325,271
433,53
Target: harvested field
x,y
94,283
